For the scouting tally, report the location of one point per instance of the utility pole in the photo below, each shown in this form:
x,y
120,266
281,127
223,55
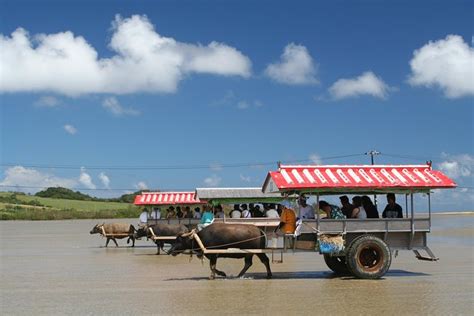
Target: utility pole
x,y
373,153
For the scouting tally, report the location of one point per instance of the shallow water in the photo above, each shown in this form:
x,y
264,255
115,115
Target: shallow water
x,y
57,268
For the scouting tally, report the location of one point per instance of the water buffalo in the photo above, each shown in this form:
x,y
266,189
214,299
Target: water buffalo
x,y
115,230
162,230
223,236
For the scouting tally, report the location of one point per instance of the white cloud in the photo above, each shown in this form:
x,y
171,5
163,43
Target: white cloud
x,y
457,166
447,64
86,180
212,181
48,101
315,158
70,129
245,178
105,180
112,105
296,67
67,64
141,186
366,84
258,103
33,179
242,105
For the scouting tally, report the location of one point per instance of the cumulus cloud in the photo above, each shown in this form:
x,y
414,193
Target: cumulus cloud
x,y
141,185
316,159
243,105
86,180
70,129
105,180
48,101
457,166
366,84
447,64
112,105
212,181
67,64
19,177
296,67
245,178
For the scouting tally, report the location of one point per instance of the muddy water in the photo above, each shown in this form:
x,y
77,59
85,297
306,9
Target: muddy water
x,y
57,268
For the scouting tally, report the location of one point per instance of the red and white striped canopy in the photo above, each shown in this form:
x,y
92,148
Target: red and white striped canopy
x,y
356,178
167,198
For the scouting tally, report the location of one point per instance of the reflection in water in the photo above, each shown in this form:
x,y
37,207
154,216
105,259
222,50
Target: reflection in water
x,y
58,268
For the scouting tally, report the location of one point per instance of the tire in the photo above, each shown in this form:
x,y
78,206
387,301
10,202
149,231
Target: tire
x,y
337,264
368,257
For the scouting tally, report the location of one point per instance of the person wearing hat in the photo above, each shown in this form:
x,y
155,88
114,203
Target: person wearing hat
x,y
347,207
305,211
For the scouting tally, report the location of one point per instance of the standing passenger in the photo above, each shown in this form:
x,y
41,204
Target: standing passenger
x,y
392,210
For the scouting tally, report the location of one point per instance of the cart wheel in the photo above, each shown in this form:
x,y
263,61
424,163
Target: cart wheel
x,y
368,257
337,264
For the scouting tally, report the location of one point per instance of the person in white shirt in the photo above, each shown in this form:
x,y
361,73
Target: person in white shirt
x,y
143,219
197,213
156,213
219,213
271,212
245,211
236,212
305,211
358,211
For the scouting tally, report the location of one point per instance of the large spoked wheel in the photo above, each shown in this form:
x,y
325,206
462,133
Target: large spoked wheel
x,y
368,257
337,264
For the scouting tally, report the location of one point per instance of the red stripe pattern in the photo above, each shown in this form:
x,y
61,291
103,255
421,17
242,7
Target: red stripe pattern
x,y
359,177
167,198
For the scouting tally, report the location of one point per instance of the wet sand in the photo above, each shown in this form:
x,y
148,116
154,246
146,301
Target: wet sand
x,y
57,268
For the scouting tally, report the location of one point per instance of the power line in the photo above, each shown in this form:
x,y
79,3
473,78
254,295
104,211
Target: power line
x,y
172,167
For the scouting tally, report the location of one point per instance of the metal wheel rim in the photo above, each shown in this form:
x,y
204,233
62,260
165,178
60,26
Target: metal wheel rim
x,y
370,257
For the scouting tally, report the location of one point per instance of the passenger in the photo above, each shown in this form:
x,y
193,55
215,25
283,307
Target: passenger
x,y
236,212
179,213
392,210
197,213
219,213
156,213
358,211
170,213
187,212
332,211
369,207
347,207
245,211
288,220
279,209
143,218
257,212
305,211
271,212
206,219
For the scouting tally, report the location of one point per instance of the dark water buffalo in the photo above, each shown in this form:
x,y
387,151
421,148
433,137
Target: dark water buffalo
x,y
222,236
115,231
163,230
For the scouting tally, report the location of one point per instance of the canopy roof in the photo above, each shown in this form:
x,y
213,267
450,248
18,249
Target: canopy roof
x,y
356,178
237,195
167,198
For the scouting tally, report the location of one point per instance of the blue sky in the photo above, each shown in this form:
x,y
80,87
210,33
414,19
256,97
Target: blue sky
x,y
210,84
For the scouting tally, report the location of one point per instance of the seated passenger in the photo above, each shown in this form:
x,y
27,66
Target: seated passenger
x,y
236,212
206,219
347,207
305,211
219,213
288,220
245,211
156,213
369,207
143,218
392,210
332,211
359,211
179,213
170,213
271,212
197,213
257,212
187,212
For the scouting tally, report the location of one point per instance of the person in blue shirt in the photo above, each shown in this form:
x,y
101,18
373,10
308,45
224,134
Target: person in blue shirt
x,y
207,218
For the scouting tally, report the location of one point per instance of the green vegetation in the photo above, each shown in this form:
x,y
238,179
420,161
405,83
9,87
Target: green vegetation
x,y
18,206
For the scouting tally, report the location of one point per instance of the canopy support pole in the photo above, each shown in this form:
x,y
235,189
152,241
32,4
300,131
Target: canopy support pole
x,y
412,220
429,209
317,212
406,205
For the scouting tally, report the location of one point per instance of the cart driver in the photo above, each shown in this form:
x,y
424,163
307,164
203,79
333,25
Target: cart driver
x,y
143,219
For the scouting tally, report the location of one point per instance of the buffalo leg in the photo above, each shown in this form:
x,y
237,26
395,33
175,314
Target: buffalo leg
x,y
213,263
113,239
107,242
133,241
158,247
248,263
263,257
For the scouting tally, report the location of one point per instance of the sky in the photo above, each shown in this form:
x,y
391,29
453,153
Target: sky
x,y
108,97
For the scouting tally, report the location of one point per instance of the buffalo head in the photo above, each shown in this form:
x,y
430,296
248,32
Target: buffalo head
x,y
97,229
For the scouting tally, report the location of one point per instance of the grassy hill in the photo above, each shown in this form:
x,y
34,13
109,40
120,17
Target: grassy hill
x,y
19,206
